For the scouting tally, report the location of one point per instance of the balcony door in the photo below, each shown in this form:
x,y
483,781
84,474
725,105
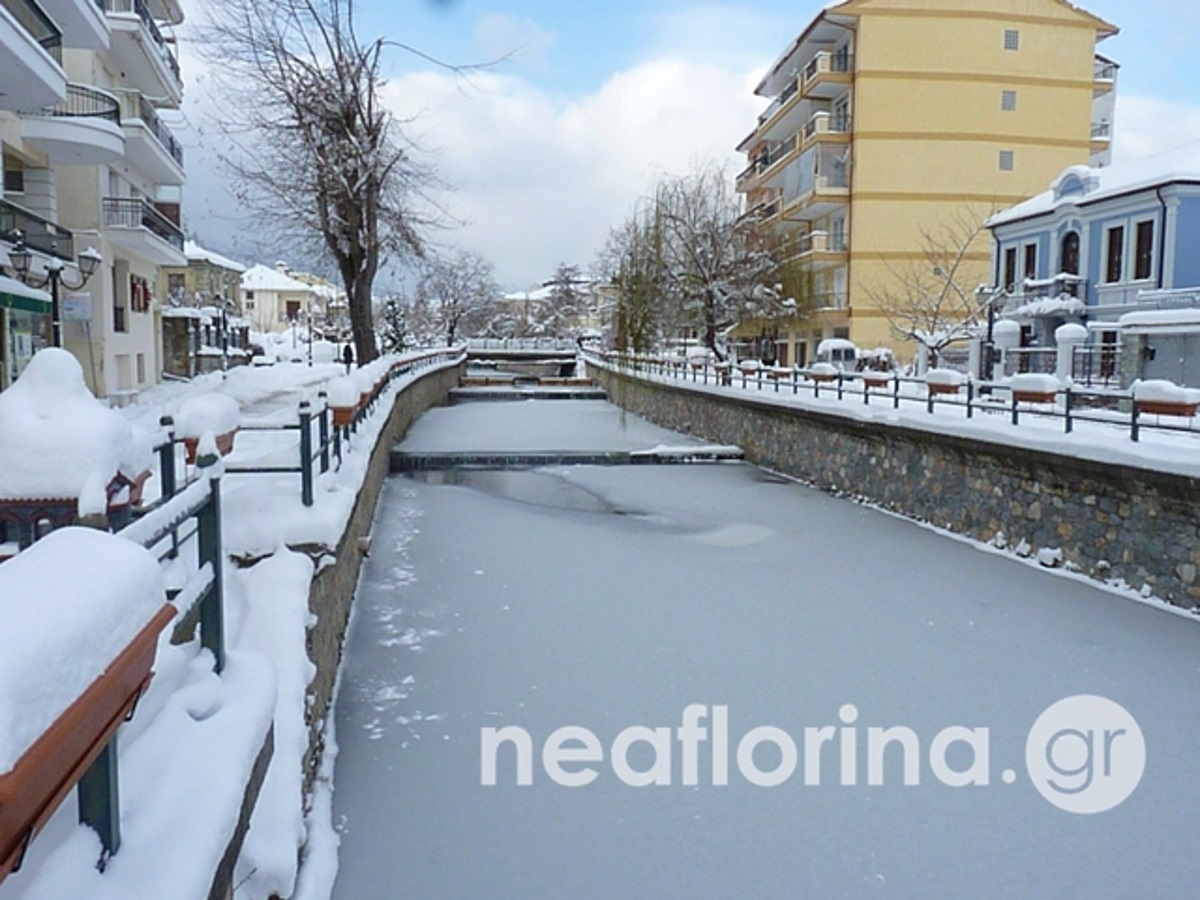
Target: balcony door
x,y
1069,259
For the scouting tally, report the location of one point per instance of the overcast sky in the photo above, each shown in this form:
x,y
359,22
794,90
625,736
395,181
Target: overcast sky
x,y
551,147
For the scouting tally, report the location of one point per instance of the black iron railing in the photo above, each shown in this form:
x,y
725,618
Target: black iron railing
x,y
138,8
134,105
121,212
39,234
82,102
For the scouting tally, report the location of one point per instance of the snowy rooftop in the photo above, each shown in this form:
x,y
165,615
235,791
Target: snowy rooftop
x,y
265,278
1081,185
195,253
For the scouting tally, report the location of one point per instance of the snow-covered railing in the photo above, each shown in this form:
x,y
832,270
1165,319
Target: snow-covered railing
x,y
938,391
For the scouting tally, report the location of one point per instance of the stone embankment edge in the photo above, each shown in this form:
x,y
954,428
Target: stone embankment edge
x,y
1116,523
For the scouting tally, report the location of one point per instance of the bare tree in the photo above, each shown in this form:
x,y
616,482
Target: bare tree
x,y
457,296
314,149
715,271
633,262
931,302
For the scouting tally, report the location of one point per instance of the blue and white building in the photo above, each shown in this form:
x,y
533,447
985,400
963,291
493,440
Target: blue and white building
x,y
1114,249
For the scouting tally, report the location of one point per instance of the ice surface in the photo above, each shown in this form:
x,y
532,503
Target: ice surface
x,y
724,585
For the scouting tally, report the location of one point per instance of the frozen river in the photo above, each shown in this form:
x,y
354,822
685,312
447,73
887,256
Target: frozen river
x,y
735,639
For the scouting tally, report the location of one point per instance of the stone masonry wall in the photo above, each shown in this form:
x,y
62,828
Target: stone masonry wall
x,y
332,590
1109,521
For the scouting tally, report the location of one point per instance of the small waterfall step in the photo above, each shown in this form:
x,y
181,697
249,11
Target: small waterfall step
x,y
405,461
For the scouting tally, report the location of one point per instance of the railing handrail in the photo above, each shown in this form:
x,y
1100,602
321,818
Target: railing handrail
x,y
135,212
82,101
30,16
39,234
135,105
139,8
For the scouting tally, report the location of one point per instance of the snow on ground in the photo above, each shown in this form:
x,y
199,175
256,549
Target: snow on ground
x,y
186,756
606,598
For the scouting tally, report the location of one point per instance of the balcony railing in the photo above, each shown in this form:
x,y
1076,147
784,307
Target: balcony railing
x,y
1101,131
40,234
40,26
121,212
825,63
1105,70
138,8
826,123
135,106
83,102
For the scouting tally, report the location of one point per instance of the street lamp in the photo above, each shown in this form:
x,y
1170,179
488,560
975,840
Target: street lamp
x,y
22,259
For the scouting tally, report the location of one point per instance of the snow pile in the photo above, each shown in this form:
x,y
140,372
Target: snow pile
x,y
343,392
68,606
1156,390
945,377
207,412
56,434
1035,383
1062,305
1166,319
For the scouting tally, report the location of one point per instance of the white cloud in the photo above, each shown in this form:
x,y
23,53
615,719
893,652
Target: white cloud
x,y
540,181
1146,126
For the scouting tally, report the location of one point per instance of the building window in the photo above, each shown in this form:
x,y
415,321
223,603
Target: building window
x,y
1114,258
249,304
1143,258
14,179
1007,160
1070,253
1030,269
1012,39
1010,269
1008,100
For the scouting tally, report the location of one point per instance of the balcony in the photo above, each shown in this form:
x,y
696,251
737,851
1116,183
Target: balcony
x,y
31,75
824,195
765,161
82,130
41,235
827,75
820,249
150,145
137,227
825,126
1104,75
1101,134
147,58
82,22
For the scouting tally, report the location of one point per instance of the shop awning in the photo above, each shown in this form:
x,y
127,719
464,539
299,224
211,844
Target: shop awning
x,y
16,295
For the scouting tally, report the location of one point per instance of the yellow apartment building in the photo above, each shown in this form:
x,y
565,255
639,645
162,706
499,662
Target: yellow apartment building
x,y
890,118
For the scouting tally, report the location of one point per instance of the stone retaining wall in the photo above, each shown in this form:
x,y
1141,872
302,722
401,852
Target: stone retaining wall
x,y
333,588
1110,521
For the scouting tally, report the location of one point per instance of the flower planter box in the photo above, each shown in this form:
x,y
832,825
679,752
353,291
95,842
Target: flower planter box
x,y
823,377
876,381
937,387
343,416
224,445
51,767
1167,407
1026,396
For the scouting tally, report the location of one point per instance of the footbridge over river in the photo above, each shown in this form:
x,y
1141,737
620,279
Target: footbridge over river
x,y
568,678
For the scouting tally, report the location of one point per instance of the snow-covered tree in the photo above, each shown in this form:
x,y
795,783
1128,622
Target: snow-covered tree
x,y
394,334
632,259
930,302
567,303
456,296
716,272
313,148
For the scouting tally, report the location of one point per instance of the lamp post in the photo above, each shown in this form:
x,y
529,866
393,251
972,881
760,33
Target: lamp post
x,y
22,259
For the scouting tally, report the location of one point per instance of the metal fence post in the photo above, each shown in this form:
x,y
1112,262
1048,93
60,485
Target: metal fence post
x,y
212,607
99,800
1135,426
1067,404
895,392
323,430
306,454
1014,409
166,465
841,384
970,398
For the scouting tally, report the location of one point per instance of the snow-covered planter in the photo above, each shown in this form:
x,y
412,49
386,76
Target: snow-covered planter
x,y
1165,398
204,413
779,373
749,366
823,372
342,395
944,381
877,379
1032,387
72,666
